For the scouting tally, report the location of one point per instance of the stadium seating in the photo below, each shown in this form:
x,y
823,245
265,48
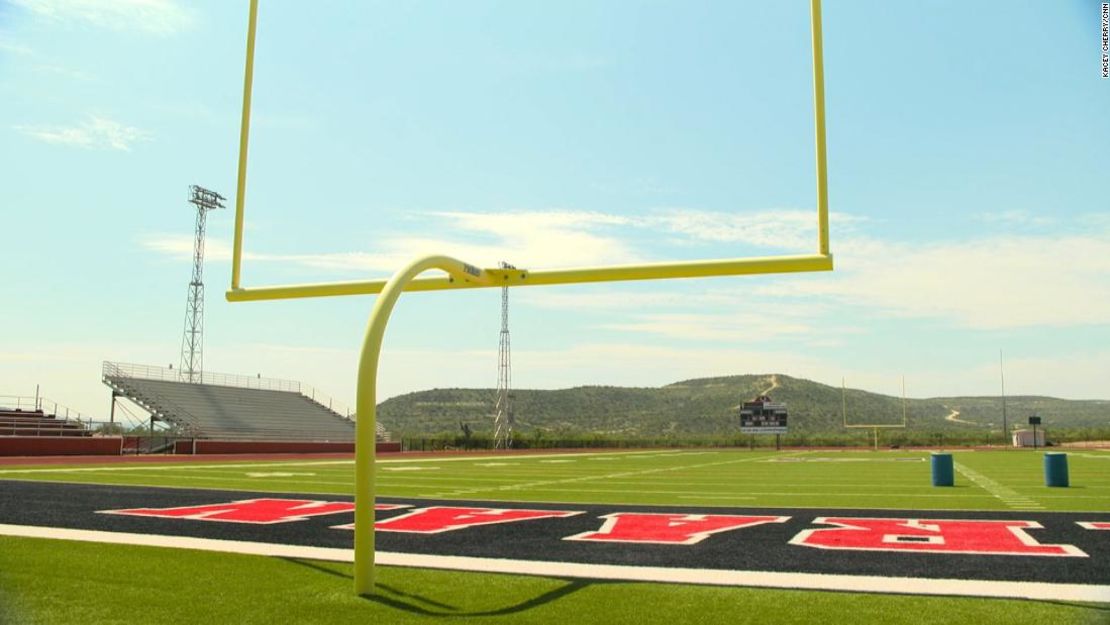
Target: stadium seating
x,y
233,413
19,422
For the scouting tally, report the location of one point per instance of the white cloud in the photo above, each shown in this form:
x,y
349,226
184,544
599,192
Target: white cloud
x,y
733,326
1074,376
547,239
64,72
1009,281
611,300
785,229
94,133
159,17
999,282
774,229
727,315
542,239
1015,218
15,48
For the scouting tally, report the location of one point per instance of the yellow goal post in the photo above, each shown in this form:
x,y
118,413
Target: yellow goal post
x,y
461,275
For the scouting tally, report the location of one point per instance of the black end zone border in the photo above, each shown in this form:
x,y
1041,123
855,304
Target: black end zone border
x,y
764,548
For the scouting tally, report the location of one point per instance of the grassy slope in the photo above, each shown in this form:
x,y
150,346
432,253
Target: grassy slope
x,y
49,582
708,406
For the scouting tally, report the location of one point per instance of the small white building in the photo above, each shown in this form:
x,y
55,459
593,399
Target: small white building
x,y
1024,438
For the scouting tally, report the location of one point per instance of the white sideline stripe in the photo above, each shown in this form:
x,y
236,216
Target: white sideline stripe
x,y
764,579
184,466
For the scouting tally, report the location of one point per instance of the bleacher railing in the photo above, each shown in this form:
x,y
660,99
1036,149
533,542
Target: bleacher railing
x,y
169,374
48,407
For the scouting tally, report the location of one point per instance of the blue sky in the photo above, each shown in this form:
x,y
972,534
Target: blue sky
x,y
968,160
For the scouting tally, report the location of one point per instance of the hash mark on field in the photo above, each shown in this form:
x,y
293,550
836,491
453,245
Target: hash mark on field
x,y
1006,495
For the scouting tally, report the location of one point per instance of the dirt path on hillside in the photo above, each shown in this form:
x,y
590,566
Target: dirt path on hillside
x,y
774,385
955,418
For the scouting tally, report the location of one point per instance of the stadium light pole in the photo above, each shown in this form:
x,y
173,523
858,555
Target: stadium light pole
x,y
192,340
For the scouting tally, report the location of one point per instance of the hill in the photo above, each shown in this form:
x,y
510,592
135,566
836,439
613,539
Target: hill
x,y
709,406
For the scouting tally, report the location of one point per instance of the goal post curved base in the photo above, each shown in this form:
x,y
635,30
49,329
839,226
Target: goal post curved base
x,y
366,401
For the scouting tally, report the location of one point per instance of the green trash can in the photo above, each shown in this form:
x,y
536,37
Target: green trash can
x,y
943,472
1056,469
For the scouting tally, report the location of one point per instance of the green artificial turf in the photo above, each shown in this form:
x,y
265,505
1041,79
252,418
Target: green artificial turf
x,y
44,581
47,582
734,478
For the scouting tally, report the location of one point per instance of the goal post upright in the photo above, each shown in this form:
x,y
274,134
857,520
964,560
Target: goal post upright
x,y
463,276
819,128
244,144
366,402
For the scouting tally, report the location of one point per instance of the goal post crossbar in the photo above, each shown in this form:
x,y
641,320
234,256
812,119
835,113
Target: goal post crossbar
x,y
822,260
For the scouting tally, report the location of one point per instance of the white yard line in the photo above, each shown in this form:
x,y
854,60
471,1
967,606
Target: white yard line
x,y
174,467
519,457
748,492
1006,495
587,478
308,463
765,579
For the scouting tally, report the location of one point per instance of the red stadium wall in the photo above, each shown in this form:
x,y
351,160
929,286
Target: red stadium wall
x,y
60,446
270,447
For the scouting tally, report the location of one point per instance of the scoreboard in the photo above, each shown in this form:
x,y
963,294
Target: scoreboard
x,y
762,416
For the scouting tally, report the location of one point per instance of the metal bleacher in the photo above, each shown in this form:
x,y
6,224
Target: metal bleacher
x,y
232,407
27,416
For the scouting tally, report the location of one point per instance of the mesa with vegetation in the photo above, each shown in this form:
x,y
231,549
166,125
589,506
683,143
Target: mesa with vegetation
x,y
707,409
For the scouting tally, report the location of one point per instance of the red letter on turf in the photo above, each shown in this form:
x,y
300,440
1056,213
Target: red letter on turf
x,y
447,519
931,535
1095,525
257,511
669,529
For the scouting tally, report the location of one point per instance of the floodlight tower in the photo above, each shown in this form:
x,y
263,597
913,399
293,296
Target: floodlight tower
x,y
503,406
192,342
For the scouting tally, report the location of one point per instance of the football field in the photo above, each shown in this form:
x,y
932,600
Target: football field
x,y
806,479
600,536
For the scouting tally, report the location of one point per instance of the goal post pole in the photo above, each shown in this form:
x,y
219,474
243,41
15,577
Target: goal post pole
x,y
366,402
244,143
